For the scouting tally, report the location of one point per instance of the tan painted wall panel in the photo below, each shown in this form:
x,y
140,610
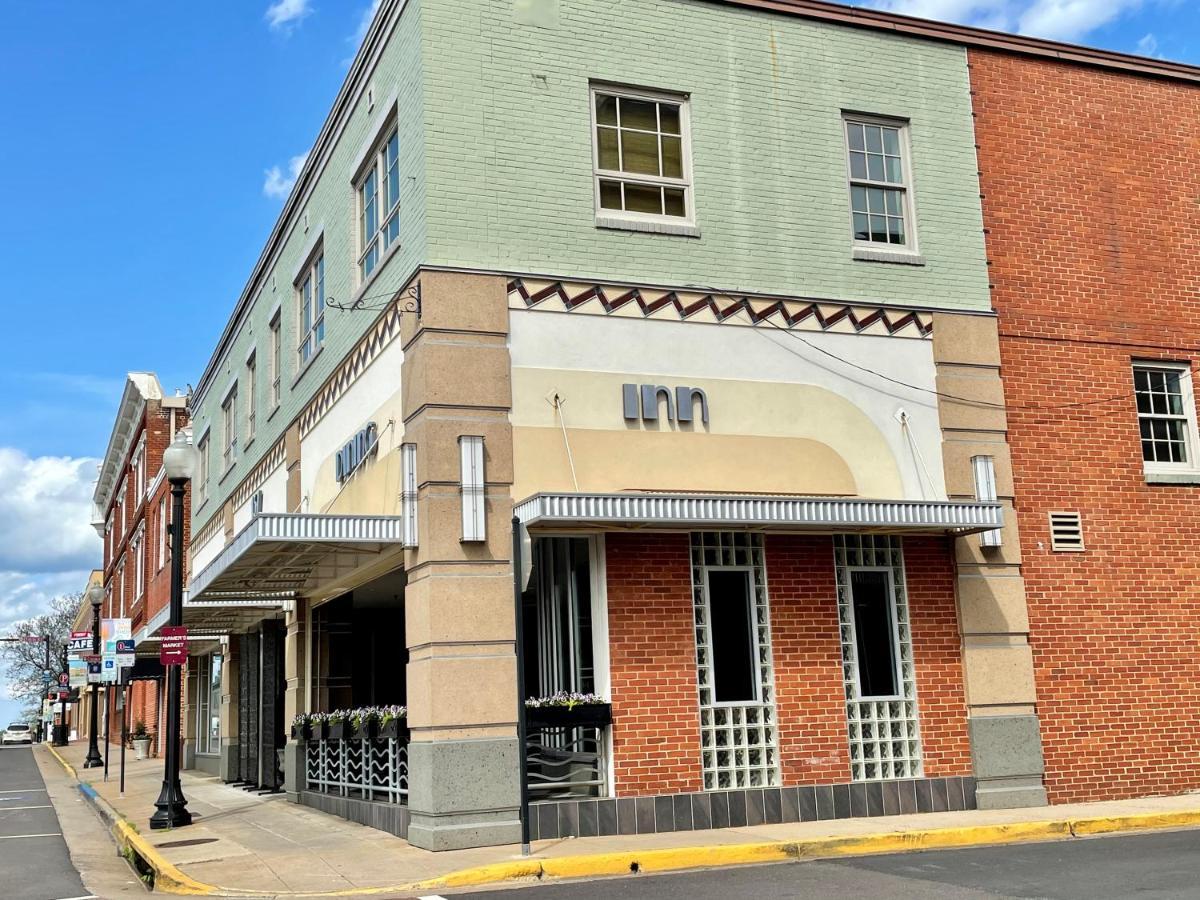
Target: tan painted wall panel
x,y
999,674
991,604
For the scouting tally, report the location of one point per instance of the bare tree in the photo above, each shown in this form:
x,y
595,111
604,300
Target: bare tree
x,y
24,662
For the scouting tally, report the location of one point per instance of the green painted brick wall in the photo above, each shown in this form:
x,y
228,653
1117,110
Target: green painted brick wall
x,y
509,146
397,76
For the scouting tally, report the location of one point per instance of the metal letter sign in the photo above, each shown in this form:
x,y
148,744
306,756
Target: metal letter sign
x,y
643,402
356,451
173,651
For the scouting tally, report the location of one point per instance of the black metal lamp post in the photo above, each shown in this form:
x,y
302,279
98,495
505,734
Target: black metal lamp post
x,y
96,597
179,463
61,730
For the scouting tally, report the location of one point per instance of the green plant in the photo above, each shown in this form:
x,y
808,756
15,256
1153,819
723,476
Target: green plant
x,y
139,730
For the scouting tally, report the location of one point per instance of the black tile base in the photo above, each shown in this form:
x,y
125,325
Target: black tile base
x,y
389,817
735,809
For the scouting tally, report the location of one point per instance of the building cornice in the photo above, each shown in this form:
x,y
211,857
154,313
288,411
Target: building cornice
x,y
139,387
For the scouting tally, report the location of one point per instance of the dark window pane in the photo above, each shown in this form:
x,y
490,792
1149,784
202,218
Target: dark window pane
x,y
639,152
891,141
606,109
874,139
879,229
862,227
875,167
610,194
894,172
672,157
607,140
873,634
643,198
639,114
854,133
858,199
669,118
858,165
674,202
733,662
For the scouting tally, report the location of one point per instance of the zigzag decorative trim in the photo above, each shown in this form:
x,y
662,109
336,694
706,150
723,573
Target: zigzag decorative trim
x,y
370,346
717,308
205,534
258,475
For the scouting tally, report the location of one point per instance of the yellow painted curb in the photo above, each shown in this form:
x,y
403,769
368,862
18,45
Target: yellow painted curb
x,y
167,878
66,765
1139,822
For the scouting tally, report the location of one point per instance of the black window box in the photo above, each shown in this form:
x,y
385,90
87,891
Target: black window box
x,y
594,715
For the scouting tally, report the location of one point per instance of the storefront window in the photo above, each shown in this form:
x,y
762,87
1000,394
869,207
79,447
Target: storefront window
x,y
208,704
562,610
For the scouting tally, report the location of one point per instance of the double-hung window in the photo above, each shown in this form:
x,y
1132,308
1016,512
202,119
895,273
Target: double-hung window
x,y
163,541
229,431
378,190
276,360
251,394
641,156
880,189
139,563
310,292
1166,416
202,472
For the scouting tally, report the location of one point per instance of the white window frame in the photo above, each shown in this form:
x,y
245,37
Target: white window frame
x,y
309,342
620,217
1191,466
275,327
754,657
251,394
202,469
910,246
378,239
139,563
894,627
162,532
229,442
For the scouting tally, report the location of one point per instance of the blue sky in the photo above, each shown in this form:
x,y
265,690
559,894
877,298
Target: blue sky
x,y
145,154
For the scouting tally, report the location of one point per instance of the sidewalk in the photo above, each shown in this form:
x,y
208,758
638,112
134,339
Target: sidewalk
x,y
242,844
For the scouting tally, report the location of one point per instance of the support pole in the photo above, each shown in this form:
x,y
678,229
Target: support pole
x,y
518,610
124,730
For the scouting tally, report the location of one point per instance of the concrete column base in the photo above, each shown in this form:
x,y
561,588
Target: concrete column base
x,y
189,756
293,769
463,793
1006,754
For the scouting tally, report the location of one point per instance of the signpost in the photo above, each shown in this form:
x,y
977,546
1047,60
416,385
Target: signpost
x,y
173,650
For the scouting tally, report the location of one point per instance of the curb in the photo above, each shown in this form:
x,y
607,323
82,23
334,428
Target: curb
x,y
170,880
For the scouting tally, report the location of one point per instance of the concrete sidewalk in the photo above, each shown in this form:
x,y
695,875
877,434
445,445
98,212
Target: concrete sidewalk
x,y
242,844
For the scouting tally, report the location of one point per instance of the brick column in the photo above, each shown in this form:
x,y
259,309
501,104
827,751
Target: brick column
x,y
1006,745
462,699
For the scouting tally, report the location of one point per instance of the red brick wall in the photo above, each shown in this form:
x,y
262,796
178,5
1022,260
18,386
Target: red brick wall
x,y
652,659
1090,190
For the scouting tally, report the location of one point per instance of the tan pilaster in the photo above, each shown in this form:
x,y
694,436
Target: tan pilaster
x,y
1001,691
463,759
230,679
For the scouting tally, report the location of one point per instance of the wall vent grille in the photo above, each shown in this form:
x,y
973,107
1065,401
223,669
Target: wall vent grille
x,y
1066,532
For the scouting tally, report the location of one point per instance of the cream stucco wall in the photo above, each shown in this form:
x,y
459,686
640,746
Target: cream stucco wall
x,y
274,491
784,417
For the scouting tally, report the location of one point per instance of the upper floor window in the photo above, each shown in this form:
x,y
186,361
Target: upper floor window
x,y
139,563
276,360
311,294
251,394
139,469
1166,415
378,192
641,155
229,430
201,483
880,205
163,541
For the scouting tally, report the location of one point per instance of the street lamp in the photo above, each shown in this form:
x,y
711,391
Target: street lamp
x,y
179,464
95,596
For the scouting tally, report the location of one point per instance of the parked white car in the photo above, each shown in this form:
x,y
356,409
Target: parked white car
x,y
17,733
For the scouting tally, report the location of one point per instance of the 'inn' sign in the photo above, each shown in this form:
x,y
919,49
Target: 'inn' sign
x,y
643,401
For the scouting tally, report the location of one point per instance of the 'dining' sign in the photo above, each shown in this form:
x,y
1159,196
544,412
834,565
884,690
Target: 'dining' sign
x,y
356,451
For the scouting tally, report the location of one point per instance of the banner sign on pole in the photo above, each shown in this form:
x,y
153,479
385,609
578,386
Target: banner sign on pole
x,y
81,642
173,651
93,672
77,672
125,648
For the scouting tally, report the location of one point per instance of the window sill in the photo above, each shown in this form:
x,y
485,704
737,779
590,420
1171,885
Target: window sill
x,y
1178,478
225,474
307,365
900,257
249,443
271,414
648,226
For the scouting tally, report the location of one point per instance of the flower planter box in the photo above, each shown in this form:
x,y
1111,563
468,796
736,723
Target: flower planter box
x,y
338,731
592,715
302,732
396,728
367,729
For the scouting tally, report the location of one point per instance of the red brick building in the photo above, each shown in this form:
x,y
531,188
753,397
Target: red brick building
x,y
1090,192
132,502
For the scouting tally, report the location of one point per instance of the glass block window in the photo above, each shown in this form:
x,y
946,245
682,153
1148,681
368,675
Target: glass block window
x,y
739,746
641,165
877,663
879,190
1165,412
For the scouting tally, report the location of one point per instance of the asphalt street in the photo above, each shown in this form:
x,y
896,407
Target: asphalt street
x,y
1147,866
34,862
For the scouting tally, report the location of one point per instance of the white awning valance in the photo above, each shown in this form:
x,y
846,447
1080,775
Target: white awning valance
x,y
672,511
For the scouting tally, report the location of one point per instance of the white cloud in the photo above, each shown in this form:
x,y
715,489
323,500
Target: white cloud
x,y
1063,20
284,15
278,185
1148,46
45,513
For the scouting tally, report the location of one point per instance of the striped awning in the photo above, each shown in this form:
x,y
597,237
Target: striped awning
x,y
782,513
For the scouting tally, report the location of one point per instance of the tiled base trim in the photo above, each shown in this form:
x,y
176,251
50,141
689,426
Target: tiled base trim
x,y
389,817
735,809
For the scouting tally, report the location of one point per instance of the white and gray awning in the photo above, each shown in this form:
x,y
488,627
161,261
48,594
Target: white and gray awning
x,y
279,556
677,511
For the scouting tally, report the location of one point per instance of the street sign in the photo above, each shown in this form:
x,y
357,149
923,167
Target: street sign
x,y
76,672
32,639
108,670
93,672
125,648
81,642
64,679
173,651
46,678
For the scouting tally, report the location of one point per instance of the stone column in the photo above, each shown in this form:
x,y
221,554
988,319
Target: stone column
x,y
294,669
464,758
1006,745
230,674
187,714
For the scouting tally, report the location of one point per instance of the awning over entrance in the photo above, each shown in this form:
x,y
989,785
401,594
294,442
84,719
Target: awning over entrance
x,y
281,555
760,513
